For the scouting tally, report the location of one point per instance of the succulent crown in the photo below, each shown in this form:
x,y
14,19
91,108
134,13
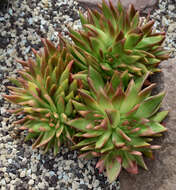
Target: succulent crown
x,y
45,89
118,120
117,39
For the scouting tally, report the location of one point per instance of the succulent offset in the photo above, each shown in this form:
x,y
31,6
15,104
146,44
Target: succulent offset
x,y
117,122
44,91
117,39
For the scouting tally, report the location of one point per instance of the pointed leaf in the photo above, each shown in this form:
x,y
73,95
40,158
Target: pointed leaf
x,y
113,168
118,98
88,100
103,139
36,127
141,162
156,127
115,80
117,140
65,74
96,78
56,146
79,106
132,40
92,134
149,106
130,98
79,124
46,138
69,108
61,105
113,116
139,142
159,116
107,147
85,142
149,41
59,131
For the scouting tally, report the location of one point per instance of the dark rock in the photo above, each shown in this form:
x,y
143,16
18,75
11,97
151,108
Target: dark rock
x,y
162,170
138,4
83,187
46,178
22,186
49,164
62,184
78,174
13,168
53,181
4,42
39,171
4,4
1,174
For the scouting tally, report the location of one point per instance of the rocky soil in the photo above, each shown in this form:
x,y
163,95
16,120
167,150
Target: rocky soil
x,y
22,24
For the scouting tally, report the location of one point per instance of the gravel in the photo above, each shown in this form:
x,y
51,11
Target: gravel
x,y
22,25
165,20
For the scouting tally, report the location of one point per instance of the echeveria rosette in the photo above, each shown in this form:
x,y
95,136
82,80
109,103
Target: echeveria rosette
x,y
117,39
44,91
116,123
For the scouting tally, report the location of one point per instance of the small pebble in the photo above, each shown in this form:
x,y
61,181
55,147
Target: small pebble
x,y
31,182
41,185
23,174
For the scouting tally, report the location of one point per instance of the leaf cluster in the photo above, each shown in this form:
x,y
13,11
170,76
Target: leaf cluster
x,y
94,94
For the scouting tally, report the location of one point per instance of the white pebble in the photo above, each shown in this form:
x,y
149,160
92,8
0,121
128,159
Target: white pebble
x,y
34,176
171,7
23,174
3,182
31,182
12,187
41,185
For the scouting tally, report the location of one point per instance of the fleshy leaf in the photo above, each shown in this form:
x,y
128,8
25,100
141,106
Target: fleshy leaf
x,y
103,139
79,124
159,116
113,168
96,78
46,138
149,106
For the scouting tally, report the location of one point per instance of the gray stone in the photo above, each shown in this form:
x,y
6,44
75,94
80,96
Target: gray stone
x,y
96,183
139,4
51,173
80,164
162,170
172,27
75,185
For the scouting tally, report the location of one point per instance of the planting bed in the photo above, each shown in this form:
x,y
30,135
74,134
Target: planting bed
x,y
22,24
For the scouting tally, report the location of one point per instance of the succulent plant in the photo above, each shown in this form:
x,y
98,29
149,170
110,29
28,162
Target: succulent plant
x,y
117,39
44,92
117,122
